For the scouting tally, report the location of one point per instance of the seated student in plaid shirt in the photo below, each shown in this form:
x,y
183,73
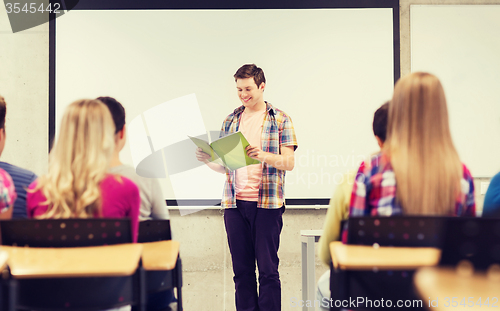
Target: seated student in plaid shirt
x,y
253,196
418,171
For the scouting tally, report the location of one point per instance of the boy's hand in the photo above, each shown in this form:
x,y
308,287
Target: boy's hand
x,y
255,153
202,156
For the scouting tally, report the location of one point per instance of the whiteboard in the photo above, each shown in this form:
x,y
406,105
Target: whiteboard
x,y
329,69
460,44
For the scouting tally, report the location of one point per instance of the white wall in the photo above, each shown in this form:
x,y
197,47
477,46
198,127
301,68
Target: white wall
x,y
24,79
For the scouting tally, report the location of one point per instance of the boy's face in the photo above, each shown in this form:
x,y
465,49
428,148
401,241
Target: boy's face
x,y
248,92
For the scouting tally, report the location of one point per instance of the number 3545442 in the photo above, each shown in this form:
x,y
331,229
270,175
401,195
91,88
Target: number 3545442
x,y
32,8
485,302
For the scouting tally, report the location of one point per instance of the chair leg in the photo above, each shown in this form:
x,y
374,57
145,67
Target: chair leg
x,y
9,291
338,288
142,289
178,268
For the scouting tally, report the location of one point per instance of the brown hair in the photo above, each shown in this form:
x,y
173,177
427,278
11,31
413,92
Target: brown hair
x,y
380,122
426,164
3,112
251,71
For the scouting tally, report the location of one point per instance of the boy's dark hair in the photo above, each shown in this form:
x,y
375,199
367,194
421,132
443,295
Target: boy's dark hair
x,y
380,121
3,112
117,111
250,71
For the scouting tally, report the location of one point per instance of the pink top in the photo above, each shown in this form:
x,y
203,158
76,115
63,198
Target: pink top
x,y
7,190
248,178
120,199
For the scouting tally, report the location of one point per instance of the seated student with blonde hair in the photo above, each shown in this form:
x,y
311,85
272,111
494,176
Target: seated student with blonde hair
x,y
418,171
78,184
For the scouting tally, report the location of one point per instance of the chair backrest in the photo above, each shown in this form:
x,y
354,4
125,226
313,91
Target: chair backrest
x,y
154,230
474,239
65,232
411,231
407,231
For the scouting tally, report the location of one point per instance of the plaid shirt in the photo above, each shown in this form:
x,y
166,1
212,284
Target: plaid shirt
x,y
277,131
374,192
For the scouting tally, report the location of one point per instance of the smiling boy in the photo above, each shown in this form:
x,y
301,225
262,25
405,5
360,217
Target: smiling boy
x,y
253,196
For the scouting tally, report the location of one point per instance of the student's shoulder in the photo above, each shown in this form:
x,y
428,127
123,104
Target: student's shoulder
x,y
376,165
232,116
467,175
34,198
18,172
113,182
124,170
281,117
280,112
495,181
277,112
6,180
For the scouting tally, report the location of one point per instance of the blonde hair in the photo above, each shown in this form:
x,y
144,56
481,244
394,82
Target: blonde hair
x,y
79,161
426,164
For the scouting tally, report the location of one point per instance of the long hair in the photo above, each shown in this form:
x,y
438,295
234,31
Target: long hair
x,y
79,161
426,164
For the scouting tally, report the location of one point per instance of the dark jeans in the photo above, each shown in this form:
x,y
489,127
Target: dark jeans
x,y
253,235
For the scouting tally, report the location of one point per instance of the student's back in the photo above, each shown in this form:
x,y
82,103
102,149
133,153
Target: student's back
x,y
117,197
78,184
418,171
153,204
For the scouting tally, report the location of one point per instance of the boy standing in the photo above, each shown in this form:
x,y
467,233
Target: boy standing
x,y
253,196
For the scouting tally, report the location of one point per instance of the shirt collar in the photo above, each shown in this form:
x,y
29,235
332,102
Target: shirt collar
x,y
270,109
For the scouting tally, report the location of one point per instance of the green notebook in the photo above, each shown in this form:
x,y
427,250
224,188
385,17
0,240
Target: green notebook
x,y
229,149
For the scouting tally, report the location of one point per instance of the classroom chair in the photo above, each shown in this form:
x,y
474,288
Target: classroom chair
x,y
74,264
161,258
476,240
468,275
381,256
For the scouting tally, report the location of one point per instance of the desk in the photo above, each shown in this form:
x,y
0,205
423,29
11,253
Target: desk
x,y
363,257
112,260
163,266
4,256
308,238
76,278
438,283
358,261
160,255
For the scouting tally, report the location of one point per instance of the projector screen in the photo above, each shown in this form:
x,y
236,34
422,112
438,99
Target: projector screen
x,y
328,68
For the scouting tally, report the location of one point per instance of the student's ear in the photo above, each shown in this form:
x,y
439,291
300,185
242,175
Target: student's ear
x,y
2,139
122,133
262,86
